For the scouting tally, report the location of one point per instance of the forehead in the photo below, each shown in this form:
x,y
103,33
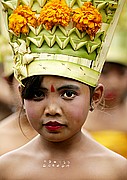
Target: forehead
x,y
56,81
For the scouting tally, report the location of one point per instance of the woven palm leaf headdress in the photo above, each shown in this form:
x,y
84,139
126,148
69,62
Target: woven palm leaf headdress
x,y
68,38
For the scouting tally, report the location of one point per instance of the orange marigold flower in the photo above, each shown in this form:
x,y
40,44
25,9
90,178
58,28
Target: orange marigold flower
x,y
54,13
20,18
87,18
17,23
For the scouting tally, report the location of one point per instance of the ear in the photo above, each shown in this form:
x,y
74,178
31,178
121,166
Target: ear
x,y
97,96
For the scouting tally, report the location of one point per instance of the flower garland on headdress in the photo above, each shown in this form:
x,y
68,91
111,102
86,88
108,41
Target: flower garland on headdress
x,y
87,18
55,13
21,17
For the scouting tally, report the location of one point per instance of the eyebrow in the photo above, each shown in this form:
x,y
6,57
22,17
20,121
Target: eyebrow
x,y
43,88
68,87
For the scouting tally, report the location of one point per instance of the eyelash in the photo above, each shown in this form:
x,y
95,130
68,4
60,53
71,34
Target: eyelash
x,y
37,96
65,96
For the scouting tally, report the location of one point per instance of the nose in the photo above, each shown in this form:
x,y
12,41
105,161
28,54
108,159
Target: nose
x,y
52,109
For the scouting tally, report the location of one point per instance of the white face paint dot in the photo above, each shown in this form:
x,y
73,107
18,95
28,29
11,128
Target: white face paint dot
x,y
55,163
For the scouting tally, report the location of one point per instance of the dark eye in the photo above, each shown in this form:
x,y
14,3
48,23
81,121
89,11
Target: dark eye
x,y
69,94
38,95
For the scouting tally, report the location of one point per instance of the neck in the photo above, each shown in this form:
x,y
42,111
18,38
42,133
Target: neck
x,y
56,149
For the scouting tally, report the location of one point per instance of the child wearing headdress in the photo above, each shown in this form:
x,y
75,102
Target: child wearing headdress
x,y
59,49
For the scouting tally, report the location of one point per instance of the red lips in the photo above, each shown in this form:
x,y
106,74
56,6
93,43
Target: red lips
x,y
53,126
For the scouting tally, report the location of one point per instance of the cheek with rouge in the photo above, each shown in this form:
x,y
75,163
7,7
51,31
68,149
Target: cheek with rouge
x,y
32,110
78,115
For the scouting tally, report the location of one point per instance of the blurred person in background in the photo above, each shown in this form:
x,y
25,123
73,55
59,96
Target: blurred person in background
x,y
5,95
15,129
108,123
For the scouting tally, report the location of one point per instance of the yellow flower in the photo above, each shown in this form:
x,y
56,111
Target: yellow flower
x,y
21,17
55,13
17,24
87,18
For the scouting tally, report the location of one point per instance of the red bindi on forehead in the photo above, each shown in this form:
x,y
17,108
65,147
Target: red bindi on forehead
x,y
52,88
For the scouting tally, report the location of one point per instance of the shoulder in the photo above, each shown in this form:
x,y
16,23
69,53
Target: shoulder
x,y
7,160
16,163
9,136
9,122
114,168
12,162
107,163
118,167
114,165
120,164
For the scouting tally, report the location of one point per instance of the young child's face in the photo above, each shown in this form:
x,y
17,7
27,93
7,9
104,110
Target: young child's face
x,y
114,79
59,108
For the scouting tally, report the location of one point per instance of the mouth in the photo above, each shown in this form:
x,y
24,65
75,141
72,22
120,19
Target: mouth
x,y
53,126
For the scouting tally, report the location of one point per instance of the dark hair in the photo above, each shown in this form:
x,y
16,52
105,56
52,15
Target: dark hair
x,y
30,84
